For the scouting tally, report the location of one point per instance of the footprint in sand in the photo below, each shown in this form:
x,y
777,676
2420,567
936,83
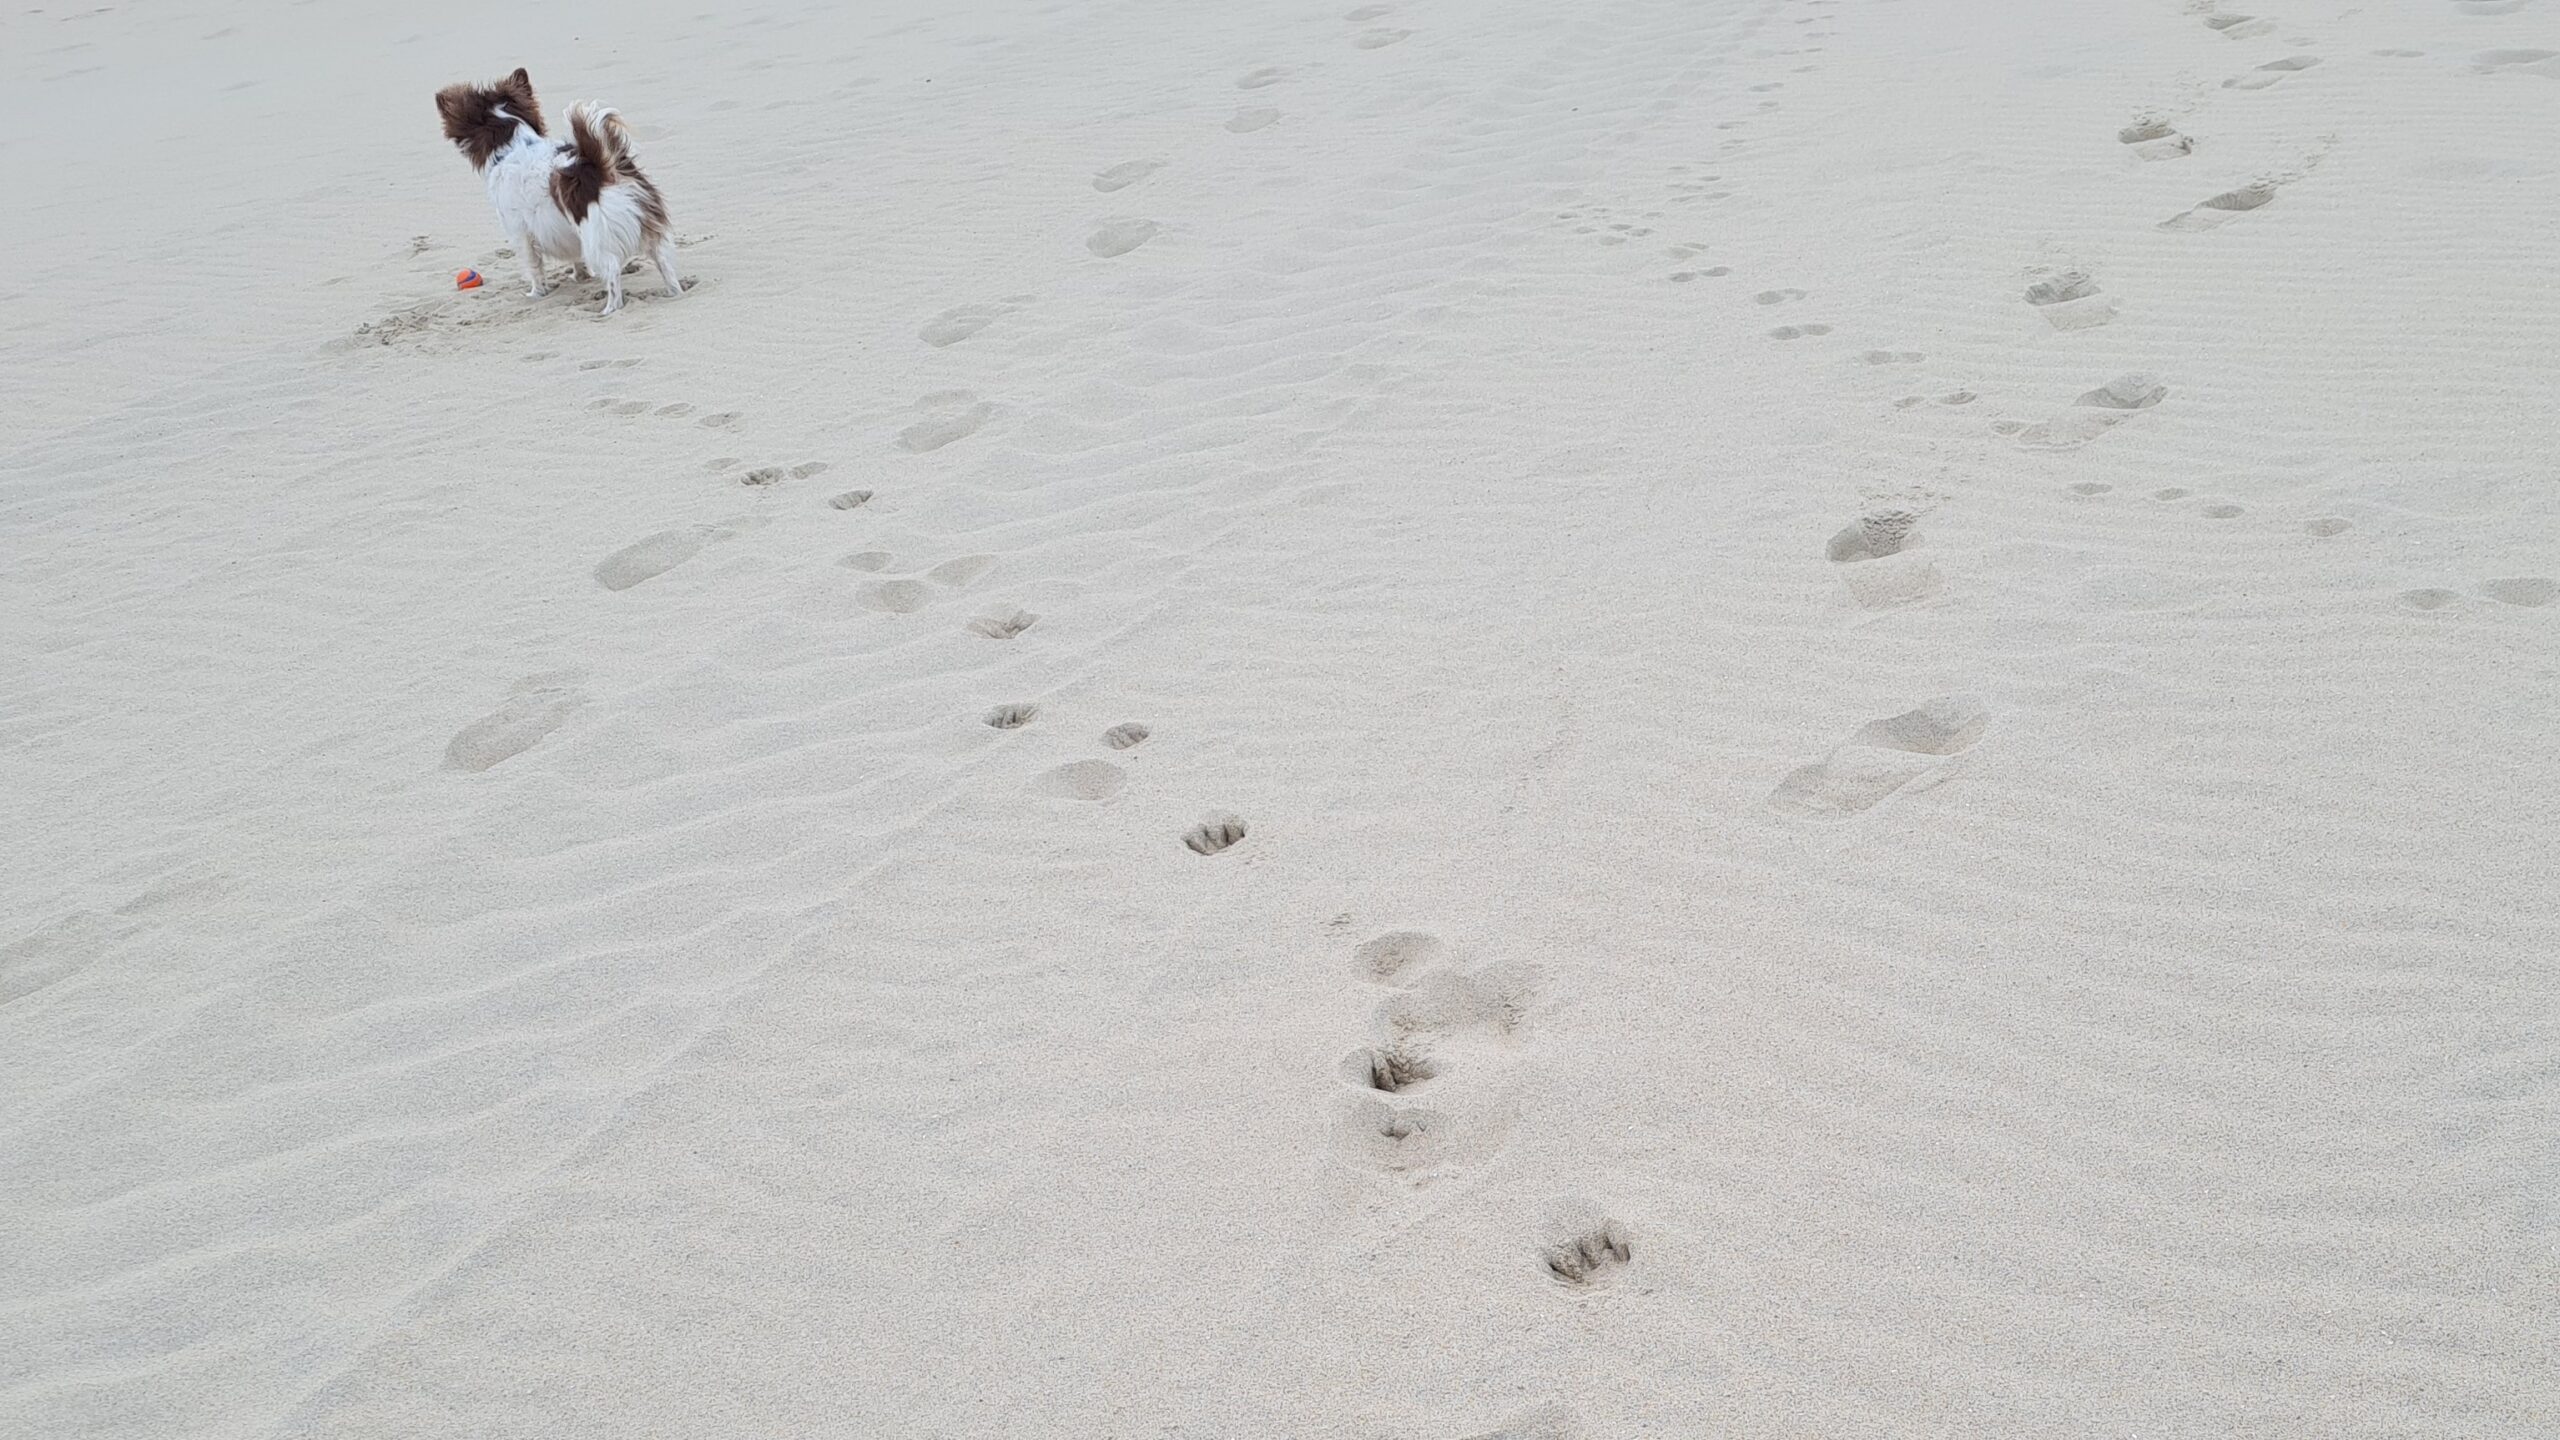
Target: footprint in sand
x,y
1245,122
1001,624
1883,535
1127,735
764,475
2270,73
949,415
2326,526
1118,237
1214,835
2238,27
1378,39
2531,62
1892,357
536,706
1873,536
2091,415
870,562
1797,332
2430,598
2222,208
1910,751
1083,780
895,597
1011,717
2154,138
1384,958
1776,297
960,572
960,322
2069,299
2530,591
1584,1247
1683,277
1445,1036
1268,75
849,500
1125,174
654,556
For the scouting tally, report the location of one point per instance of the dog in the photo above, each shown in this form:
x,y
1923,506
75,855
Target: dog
x,y
584,196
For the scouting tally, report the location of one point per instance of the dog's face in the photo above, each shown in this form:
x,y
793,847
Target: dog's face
x,y
481,119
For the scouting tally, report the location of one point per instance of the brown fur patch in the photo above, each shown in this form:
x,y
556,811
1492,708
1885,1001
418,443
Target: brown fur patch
x,y
600,155
481,120
589,168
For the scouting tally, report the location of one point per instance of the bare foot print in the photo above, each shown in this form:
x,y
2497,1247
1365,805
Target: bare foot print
x,y
2221,209
1125,174
895,597
1246,122
534,708
654,556
1876,562
2531,591
2270,73
1395,953
1911,750
2529,62
2094,414
959,323
1083,780
1118,237
2153,138
2069,299
949,415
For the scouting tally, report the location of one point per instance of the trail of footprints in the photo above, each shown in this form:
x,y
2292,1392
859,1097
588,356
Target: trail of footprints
x,y
1430,1092
1926,746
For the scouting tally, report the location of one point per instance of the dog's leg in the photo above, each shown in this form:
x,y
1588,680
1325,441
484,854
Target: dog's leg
x,y
531,254
666,258
610,267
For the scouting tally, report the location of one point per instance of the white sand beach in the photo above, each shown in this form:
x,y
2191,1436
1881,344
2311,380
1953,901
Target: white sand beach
x,y
1467,718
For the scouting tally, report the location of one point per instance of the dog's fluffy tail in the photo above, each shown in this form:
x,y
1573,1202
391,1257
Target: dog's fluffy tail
x,y
601,140
599,157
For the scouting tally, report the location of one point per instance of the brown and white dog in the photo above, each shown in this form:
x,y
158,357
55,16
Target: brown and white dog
x,y
584,196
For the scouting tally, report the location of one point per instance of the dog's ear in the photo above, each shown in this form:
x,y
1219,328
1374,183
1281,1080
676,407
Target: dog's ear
x,y
453,105
518,90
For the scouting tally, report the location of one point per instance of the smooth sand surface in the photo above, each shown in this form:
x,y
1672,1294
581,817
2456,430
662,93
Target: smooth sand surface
x,y
1528,717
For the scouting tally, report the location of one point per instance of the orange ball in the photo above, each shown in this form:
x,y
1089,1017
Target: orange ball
x,y
466,279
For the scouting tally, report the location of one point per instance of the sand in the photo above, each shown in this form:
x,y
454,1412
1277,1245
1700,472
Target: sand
x,y
1740,718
